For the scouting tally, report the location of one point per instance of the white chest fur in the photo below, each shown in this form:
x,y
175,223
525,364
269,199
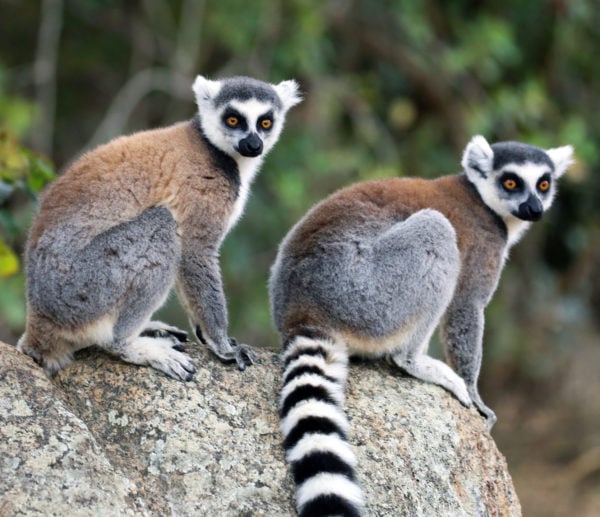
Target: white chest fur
x,y
516,228
248,168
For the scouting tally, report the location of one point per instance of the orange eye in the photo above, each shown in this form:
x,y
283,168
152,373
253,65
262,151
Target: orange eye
x,y
232,121
544,185
266,123
510,184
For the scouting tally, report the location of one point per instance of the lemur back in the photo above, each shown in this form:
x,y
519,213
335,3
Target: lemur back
x,y
372,271
141,214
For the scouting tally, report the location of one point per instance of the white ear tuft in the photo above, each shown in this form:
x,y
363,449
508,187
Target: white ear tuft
x,y
205,89
562,157
288,93
478,157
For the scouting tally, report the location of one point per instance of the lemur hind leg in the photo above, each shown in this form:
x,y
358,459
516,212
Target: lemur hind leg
x,y
103,293
428,369
149,271
428,270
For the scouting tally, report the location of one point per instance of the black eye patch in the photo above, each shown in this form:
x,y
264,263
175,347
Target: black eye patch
x,y
233,119
265,122
511,182
544,183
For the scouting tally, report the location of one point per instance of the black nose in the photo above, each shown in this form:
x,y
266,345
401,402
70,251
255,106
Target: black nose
x,y
251,145
531,210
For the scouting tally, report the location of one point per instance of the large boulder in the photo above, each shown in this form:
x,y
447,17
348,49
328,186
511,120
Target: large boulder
x,y
108,438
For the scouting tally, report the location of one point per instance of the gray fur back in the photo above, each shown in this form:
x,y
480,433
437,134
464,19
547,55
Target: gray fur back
x,y
374,278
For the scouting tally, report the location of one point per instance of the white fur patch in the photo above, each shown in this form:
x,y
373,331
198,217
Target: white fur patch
x,y
313,407
372,346
288,93
327,483
322,443
478,157
515,229
337,371
335,365
205,89
248,168
146,350
158,353
97,333
562,157
314,379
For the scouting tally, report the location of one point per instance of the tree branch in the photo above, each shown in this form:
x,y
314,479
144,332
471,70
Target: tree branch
x,y
44,73
142,83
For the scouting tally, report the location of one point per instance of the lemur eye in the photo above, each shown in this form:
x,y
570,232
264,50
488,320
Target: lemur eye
x,y
509,184
266,123
232,121
544,185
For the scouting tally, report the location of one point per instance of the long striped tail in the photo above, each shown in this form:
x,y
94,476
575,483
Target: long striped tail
x,y
315,428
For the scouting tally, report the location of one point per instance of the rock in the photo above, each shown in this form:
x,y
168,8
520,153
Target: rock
x,y
50,463
108,438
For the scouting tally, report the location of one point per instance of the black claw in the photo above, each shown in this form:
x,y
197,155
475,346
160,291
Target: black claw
x,y
244,356
181,335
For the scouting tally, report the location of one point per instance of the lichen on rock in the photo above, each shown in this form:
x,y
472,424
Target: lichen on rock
x,y
108,438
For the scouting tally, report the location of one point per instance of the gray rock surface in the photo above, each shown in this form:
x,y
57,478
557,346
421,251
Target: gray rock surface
x,y
108,438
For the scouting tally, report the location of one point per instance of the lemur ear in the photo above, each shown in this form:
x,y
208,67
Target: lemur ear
x,y
562,157
478,158
205,89
288,92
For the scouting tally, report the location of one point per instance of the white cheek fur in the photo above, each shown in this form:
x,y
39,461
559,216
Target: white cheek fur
x,y
489,190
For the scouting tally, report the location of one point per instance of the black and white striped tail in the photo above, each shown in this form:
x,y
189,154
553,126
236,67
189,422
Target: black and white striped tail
x,y
315,428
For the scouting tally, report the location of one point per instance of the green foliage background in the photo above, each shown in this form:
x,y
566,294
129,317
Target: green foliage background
x,y
391,88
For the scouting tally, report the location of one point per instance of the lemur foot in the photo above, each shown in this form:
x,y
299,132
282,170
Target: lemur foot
x,y
244,356
486,412
231,352
160,329
162,354
437,372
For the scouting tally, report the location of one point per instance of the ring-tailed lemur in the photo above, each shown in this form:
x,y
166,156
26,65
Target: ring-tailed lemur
x,y
372,270
132,218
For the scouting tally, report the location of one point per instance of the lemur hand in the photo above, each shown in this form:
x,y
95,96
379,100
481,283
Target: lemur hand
x,y
486,412
229,352
244,356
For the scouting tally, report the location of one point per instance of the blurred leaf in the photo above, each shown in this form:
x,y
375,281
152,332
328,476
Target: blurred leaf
x,y
9,263
6,189
21,170
40,171
13,162
12,301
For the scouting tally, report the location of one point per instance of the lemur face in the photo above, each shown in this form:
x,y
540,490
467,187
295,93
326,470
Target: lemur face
x,y
242,116
247,126
525,191
515,180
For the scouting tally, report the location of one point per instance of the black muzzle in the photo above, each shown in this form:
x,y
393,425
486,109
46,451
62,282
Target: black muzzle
x,y
250,146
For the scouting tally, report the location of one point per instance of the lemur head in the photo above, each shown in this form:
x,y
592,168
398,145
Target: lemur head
x,y
241,116
515,180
